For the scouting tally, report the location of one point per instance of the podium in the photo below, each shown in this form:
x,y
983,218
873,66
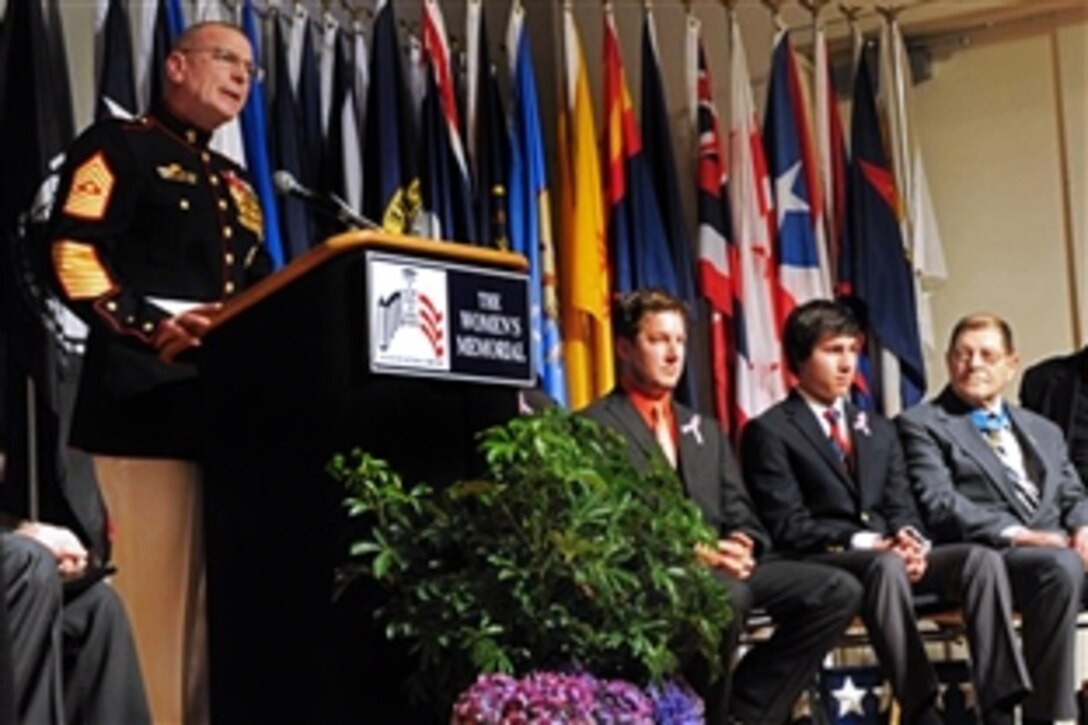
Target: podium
x,y
403,347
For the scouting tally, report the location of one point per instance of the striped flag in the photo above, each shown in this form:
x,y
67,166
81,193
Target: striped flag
x,y
636,237
447,195
717,256
799,248
584,273
760,380
530,209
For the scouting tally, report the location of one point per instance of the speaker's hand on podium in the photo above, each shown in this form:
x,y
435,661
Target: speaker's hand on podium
x,y
186,329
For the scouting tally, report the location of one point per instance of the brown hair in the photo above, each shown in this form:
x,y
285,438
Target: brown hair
x,y
982,321
631,308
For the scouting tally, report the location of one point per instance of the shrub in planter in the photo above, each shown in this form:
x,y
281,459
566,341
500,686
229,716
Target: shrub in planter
x,y
563,556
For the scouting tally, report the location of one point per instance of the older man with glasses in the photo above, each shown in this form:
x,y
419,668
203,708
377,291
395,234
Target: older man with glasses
x,y
988,472
152,232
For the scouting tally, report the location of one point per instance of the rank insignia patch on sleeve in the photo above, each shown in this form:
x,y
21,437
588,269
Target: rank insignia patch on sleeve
x,y
92,185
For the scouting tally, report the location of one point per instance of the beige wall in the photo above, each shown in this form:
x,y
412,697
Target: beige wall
x,y
989,126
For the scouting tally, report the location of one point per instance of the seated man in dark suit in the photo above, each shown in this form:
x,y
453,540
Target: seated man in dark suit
x,y
810,604
830,484
72,653
1058,389
990,473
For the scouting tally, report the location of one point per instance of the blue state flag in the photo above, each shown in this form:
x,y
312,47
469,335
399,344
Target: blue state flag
x,y
530,212
255,135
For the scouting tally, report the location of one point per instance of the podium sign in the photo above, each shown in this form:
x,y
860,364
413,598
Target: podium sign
x,y
431,318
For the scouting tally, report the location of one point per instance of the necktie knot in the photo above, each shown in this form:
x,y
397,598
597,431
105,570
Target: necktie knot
x,y
990,421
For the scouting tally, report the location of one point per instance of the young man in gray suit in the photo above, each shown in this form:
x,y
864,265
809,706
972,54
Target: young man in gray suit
x,y
811,604
829,482
987,472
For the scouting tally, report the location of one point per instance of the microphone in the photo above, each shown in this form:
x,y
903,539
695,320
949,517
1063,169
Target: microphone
x,y
330,204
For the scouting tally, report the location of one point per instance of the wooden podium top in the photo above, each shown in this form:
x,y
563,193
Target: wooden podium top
x,y
348,242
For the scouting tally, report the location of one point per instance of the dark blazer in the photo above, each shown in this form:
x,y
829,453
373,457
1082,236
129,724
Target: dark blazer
x,y
960,483
707,468
805,494
1051,387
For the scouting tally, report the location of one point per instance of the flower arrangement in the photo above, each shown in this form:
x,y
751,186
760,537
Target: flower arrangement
x,y
574,699
562,556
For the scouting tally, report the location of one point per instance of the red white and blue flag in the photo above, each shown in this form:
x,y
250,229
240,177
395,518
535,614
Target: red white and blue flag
x,y
800,245
447,188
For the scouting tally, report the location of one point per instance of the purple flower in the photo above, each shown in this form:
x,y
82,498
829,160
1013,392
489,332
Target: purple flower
x,y
542,698
675,703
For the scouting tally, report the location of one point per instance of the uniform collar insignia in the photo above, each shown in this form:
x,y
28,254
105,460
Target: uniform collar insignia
x,y
184,131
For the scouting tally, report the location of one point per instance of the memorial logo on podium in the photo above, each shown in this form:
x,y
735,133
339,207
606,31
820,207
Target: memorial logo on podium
x,y
409,316
448,320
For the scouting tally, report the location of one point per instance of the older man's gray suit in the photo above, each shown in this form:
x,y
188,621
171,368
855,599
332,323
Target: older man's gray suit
x,y
811,604
965,495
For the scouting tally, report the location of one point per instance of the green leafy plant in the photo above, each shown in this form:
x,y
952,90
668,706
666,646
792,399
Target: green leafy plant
x,y
562,557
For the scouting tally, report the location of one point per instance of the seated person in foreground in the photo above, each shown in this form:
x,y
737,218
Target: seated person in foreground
x,y
810,604
830,484
1057,388
72,651
986,472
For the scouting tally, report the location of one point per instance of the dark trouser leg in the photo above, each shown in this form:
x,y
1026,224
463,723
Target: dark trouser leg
x,y
102,674
811,605
888,611
716,695
1046,590
34,608
974,577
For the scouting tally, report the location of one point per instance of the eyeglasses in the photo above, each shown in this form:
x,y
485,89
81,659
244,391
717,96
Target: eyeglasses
x,y
229,57
987,356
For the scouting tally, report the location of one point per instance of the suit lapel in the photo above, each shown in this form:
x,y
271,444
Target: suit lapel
x,y
1033,462
630,422
963,432
857,425
803,418
689,429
